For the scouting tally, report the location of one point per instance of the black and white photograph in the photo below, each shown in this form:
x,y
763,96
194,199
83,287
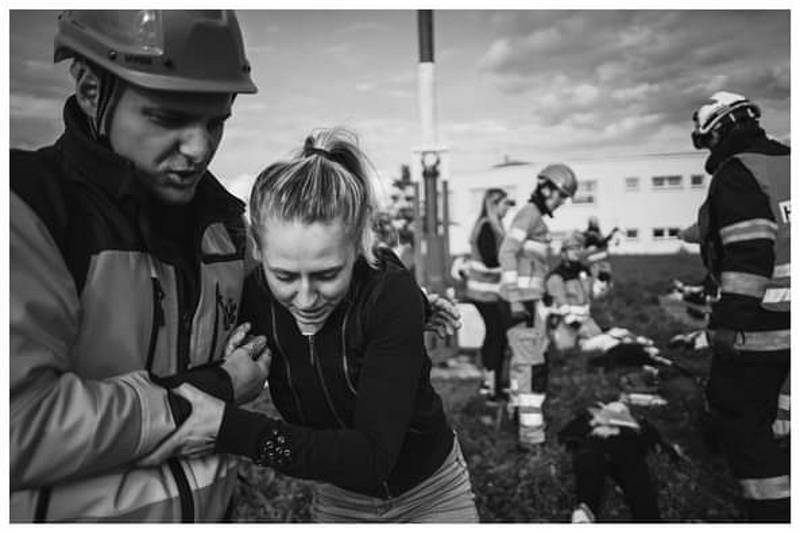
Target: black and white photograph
x,y
441,263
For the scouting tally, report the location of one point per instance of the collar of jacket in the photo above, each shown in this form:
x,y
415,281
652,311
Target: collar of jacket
x,y
119,178
736,142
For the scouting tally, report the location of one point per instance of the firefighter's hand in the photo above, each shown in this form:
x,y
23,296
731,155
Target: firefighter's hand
x,y
722,342
247,360
507,290
198,433
445,317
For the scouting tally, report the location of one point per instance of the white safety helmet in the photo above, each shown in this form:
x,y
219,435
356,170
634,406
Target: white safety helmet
x,y
724,108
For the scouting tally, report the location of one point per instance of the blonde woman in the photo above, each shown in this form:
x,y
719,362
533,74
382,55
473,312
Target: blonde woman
x,y
349,371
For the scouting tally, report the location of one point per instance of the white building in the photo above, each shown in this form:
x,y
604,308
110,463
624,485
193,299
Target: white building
x,y
648,197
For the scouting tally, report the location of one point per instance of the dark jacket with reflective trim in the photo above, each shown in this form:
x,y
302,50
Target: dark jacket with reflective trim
x,y
361,411
101,306
735,198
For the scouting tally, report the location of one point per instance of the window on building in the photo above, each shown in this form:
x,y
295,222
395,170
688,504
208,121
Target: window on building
x,y
667,182
586,193
660,234
697,180
632,234
631,184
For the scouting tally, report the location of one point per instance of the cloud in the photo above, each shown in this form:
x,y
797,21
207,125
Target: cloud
x,y
26,106
611,76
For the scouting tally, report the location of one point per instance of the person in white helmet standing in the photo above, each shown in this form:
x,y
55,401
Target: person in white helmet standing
x,y
523,259
744,233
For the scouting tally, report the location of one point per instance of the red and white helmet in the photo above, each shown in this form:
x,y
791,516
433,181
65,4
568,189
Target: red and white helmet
x,y
724,108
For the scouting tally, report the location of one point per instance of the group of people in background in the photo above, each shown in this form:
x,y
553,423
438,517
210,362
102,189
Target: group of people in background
x,y
145,311
526,302
743,229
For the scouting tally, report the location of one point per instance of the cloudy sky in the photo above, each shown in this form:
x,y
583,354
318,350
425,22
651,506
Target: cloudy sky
x,y
531,85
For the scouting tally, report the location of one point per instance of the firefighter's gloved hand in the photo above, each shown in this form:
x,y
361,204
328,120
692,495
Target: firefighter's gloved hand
x,y
445,317
722,342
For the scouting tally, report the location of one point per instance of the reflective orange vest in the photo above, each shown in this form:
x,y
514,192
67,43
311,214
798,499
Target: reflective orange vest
x,y
483,283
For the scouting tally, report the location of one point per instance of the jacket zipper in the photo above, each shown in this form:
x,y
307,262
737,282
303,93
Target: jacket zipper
x,y
158,320
313,358
344,355
216,325
184,491
286,365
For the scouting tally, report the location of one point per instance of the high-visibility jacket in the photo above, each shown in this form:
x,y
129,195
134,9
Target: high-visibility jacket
x,y
523,256
100,306
744,228
483,281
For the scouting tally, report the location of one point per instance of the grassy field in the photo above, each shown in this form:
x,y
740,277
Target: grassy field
x,y
512,486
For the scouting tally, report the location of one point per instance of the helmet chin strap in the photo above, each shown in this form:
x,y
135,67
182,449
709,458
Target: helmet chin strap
x,y
108,97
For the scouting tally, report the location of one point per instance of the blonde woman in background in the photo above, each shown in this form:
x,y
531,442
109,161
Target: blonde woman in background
x,y
483,283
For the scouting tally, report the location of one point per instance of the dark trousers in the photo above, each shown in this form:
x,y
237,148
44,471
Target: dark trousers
x,y
495,343
622,458
743,398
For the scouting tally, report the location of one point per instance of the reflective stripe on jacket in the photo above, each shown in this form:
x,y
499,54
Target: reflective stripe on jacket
x,y
483,282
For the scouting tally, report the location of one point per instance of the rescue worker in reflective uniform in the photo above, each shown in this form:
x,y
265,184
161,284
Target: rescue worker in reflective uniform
x,y
127,266
744,233
523,260
569,291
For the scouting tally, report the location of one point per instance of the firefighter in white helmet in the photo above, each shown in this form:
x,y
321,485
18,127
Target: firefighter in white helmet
x,y
523,260
744,234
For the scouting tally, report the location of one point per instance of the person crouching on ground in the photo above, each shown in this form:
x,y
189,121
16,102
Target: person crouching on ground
x,y
569,287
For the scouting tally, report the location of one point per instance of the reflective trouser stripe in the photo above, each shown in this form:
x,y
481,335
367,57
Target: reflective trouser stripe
x,y
768,488
763,341
531,418
756,228
743,283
